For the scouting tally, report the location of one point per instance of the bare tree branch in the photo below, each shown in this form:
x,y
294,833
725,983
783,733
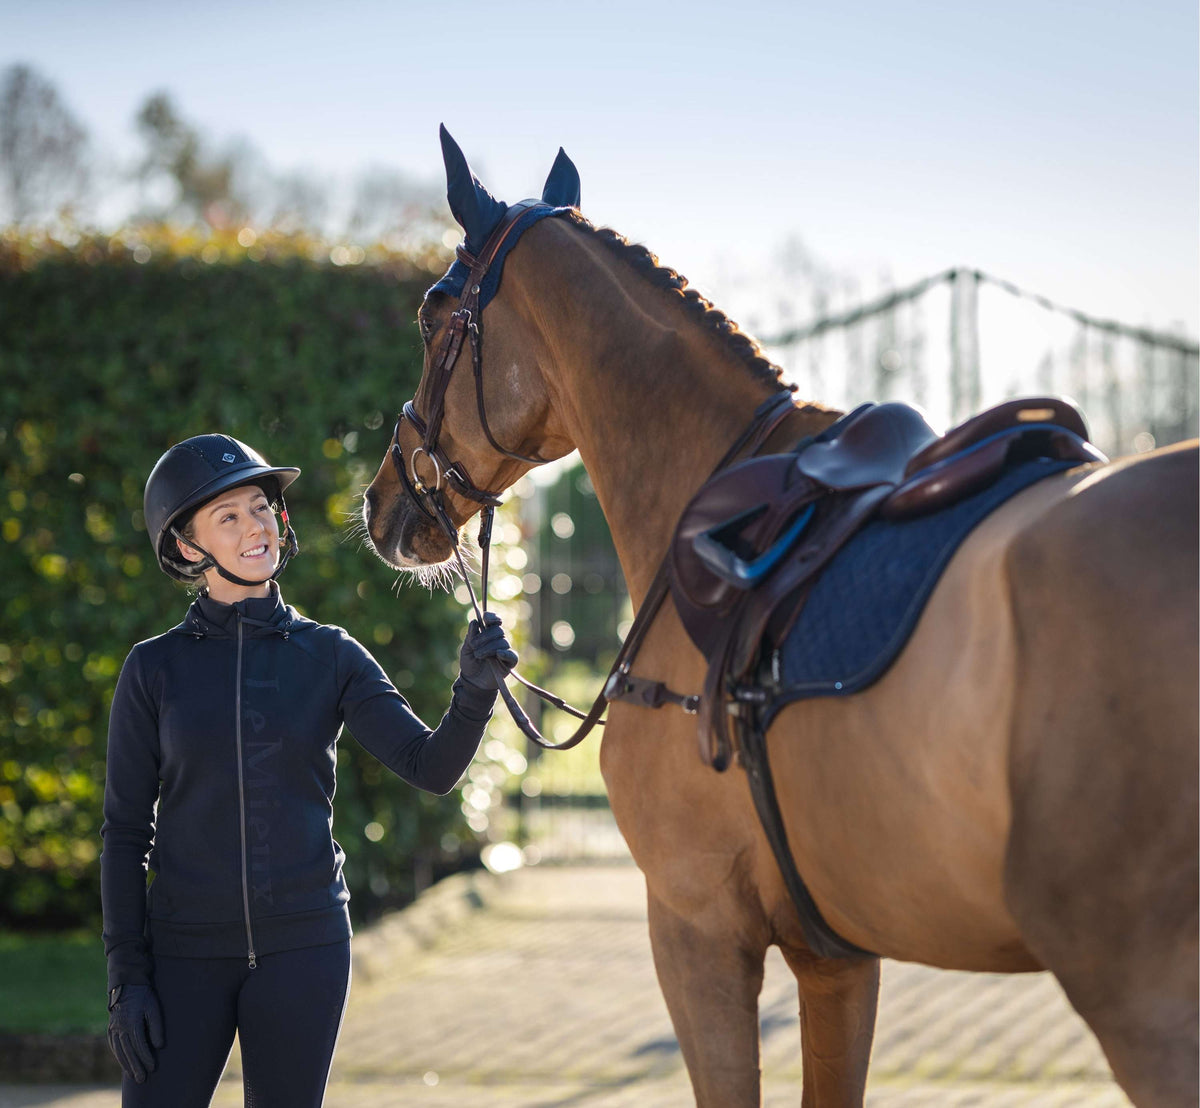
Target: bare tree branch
x,y
44,166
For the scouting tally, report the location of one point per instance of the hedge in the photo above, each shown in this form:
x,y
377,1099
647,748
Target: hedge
x,y
112,349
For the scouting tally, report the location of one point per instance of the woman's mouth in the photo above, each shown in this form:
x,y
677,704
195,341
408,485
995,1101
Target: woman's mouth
x,y
255,552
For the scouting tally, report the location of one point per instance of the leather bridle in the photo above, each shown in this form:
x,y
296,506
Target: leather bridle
x,y
465,327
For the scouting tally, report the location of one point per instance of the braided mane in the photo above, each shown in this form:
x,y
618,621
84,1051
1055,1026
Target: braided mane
x,y
698,307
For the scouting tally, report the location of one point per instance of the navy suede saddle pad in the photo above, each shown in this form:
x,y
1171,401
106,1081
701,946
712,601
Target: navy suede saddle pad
x,y
864,606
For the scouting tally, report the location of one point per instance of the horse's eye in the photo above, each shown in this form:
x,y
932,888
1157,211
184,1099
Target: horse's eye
x,y
426,327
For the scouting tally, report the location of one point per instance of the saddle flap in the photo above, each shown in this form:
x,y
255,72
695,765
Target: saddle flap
x,y
734,518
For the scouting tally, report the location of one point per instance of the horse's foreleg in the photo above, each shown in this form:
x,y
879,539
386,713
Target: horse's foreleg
x,y
711,984
838,998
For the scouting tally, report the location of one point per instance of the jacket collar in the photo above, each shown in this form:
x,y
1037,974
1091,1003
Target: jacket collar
x,y
266,615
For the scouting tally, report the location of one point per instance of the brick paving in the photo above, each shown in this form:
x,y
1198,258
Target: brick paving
x,y
537,989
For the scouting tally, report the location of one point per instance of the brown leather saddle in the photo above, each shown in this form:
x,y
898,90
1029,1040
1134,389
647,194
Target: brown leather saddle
x,y
757,534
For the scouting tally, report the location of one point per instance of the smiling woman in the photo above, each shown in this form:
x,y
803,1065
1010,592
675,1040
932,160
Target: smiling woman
x,y
221,775
240,529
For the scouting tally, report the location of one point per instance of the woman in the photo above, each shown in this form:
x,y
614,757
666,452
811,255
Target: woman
x,y
221,760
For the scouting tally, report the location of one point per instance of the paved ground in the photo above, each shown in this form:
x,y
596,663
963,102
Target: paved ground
x,y
538,990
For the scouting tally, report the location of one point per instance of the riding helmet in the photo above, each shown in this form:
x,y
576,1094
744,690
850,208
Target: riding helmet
x,y
194,471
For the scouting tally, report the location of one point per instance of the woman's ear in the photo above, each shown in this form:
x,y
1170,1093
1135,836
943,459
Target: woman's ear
x,y
189,552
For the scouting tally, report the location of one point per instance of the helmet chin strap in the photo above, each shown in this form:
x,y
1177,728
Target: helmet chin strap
x,y
209,562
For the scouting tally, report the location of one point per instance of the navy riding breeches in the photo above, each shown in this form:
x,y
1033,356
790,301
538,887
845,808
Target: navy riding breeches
x,y
287,1013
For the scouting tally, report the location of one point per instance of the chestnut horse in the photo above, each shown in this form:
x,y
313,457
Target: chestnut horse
x,y
1018,792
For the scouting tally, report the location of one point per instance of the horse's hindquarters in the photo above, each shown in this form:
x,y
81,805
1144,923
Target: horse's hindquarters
x,y
1102,868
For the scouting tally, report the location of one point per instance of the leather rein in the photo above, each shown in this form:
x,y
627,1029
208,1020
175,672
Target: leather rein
x,y
465,328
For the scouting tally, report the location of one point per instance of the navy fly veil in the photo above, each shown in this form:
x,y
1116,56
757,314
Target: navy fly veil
x,y
455,278
478,212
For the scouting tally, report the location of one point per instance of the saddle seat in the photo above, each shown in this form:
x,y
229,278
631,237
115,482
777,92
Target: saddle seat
x,y
758,533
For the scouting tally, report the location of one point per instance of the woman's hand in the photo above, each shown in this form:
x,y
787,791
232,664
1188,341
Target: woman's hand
x,y
135,1029
481,645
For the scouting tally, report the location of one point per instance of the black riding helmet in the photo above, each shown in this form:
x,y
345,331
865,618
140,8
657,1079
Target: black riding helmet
x,y
193,472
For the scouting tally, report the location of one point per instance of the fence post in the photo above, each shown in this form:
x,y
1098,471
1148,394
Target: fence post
x,y
1112,394
1183,390
965,382
1080,392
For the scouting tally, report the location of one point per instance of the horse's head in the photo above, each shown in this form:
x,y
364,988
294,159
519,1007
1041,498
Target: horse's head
x,y
481,414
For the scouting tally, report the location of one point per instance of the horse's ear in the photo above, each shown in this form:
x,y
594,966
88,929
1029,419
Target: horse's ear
x,y
476,210
562,185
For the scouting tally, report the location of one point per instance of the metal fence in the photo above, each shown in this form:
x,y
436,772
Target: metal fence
x,y
961,340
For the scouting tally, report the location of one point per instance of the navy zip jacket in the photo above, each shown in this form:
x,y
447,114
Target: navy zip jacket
x,y
221,758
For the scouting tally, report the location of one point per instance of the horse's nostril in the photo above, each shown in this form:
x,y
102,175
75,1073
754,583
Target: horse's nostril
x,y
368,506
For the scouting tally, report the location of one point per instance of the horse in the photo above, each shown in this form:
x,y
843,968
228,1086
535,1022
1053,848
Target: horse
x,y
1017,792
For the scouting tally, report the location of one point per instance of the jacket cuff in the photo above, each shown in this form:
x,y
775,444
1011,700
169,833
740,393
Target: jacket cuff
x,y
472,703
130,967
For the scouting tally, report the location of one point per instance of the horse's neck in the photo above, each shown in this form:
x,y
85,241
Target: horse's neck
x,y
651,453
651,400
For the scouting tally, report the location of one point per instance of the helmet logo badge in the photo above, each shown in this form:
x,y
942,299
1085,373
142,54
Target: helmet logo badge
x,y
229,457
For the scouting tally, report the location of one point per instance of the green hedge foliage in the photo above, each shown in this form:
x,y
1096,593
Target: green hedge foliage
x,y
112,349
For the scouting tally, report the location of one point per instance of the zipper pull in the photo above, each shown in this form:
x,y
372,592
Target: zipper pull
x,y
253,960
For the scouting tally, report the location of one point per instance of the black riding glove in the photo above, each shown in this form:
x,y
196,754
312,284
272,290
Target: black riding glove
x,y
481,645
135,1029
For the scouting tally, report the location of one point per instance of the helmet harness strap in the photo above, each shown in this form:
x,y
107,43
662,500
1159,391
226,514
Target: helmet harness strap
x,y
209,562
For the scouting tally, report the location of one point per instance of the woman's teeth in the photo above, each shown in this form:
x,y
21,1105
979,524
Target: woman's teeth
x,y
257,552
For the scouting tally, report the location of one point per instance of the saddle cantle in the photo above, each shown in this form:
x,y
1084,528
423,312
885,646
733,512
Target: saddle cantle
x,y
755,537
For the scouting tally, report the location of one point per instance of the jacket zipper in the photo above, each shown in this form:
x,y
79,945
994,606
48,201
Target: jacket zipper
x,y
242,801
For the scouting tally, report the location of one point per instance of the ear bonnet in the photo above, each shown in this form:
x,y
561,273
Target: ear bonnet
x,y
478,213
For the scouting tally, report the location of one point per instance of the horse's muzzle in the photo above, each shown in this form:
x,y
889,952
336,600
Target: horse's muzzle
x,y
402,535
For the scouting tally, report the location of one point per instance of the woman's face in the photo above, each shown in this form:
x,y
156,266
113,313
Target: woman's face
x,y
239,529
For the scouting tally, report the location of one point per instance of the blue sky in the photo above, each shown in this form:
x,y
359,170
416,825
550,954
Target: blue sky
x,y
1056,145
